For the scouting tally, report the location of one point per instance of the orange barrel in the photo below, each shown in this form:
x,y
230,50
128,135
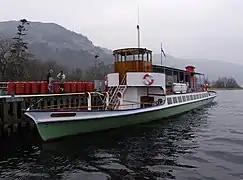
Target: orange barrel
x,y
67,87
11,87
82,86
73,87
27,87
56,87
35,87
88,87
91,86
85,86
19,87
79,87
44,87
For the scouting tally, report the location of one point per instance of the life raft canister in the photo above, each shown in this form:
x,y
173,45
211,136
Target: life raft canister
x,y
148,79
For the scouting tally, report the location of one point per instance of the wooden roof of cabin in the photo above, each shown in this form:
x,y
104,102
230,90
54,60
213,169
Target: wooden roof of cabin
x,y
131,51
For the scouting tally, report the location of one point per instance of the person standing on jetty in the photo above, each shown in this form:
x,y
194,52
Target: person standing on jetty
x,y
50,81
61,76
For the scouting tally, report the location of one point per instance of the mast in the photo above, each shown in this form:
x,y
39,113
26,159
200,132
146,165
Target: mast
x,y
161,55
138,28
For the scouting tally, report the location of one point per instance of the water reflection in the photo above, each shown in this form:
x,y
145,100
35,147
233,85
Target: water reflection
x,y
148,151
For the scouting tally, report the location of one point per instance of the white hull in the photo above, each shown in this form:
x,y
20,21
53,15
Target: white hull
x,y
45,116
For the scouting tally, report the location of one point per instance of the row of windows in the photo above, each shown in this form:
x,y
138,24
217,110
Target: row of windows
x,y
185,98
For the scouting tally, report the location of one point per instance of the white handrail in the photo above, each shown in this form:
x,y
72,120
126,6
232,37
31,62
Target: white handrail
x,y
114,100
122,83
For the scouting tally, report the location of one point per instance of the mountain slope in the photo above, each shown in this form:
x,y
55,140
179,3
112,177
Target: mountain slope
x,y
211,68
51,41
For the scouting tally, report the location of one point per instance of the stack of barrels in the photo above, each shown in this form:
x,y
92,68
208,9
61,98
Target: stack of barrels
x,y
41,87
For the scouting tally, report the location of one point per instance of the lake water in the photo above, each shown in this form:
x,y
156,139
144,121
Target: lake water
x,y
203,144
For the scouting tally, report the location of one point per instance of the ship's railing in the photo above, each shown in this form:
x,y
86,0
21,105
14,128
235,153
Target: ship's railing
x,y
74,107
59,107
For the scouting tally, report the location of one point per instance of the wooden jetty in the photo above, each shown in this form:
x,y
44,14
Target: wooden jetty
x,y
11,106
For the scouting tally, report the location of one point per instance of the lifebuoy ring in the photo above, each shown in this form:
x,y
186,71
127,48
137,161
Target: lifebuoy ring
x,y
148,79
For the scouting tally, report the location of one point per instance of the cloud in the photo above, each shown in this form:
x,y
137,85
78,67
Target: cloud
x,y
188,28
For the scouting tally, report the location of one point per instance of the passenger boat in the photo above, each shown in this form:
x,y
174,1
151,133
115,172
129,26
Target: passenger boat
x,y
137,92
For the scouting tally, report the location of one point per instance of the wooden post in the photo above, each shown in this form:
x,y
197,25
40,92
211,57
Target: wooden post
x,y
58,102
15,110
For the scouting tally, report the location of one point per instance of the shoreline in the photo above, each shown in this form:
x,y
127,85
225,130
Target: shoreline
x,y
223,89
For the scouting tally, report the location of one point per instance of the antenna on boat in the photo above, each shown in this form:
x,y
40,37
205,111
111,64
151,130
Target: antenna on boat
x,y
138,28
162,53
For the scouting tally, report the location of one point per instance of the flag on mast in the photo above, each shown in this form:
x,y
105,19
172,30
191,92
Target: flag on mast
x,y
138,18
162,51
138,30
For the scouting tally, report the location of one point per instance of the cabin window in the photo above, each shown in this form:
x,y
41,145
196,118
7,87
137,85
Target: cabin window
x,y
188,98
200,95
179,99
169,100
204,95
174,99
191,96
195,97
183,98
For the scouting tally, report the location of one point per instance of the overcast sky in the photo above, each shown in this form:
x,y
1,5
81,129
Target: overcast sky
x,y
211,29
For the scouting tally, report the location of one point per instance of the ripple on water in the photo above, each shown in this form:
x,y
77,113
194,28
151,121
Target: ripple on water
x,y
203,144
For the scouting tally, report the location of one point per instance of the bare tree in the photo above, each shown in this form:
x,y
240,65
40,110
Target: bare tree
x,y
19,55
225,82
77,74
5,47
